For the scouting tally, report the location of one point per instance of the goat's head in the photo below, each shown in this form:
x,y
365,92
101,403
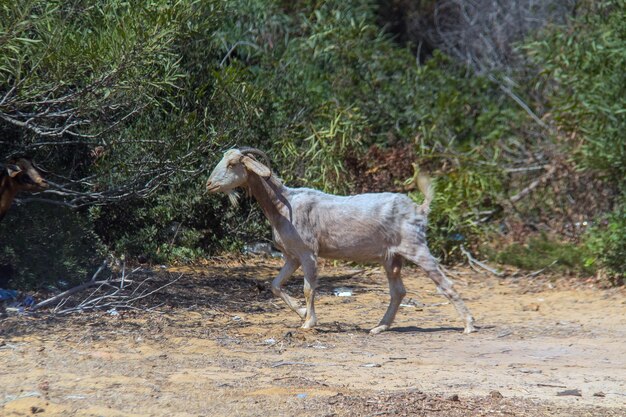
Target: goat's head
x,y
25,175
233,170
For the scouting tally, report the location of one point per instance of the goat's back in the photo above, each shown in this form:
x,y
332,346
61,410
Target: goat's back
x,y
361,227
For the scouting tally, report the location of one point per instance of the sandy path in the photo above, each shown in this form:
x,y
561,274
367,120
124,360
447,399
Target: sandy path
x,y
225,346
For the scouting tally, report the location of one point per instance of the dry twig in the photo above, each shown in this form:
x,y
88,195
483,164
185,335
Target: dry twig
x,y
111,293
473,261
541,180
71,291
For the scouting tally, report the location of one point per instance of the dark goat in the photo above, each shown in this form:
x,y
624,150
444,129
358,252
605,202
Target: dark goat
x,y
16,176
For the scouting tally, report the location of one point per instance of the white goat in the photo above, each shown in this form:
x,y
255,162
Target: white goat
x,y
307,224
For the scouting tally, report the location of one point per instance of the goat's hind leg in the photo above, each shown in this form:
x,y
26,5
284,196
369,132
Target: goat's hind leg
x,y
310,284
291,265
428,263
393,267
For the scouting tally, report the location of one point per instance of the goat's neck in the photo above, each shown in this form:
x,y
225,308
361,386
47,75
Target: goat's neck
x,y
7,194
272,197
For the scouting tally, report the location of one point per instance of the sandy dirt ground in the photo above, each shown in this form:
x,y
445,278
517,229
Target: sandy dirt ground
x,y
220,343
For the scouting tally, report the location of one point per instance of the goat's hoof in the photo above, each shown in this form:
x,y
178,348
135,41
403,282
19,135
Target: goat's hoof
x,y
308,325
301,312
379,329
469,329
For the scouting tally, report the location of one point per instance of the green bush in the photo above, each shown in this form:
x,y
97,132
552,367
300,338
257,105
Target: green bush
x,y
311,86
544,253
46,244
586,88
586,59
608,245
315,85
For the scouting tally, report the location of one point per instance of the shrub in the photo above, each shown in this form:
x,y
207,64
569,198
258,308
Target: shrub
x,y
542,253
584,65
46,244
608,245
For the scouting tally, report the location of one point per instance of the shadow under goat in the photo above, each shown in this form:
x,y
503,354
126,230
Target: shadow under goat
x,y
16,176
306,224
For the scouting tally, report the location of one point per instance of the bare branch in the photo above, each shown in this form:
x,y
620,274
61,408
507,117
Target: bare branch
x,y
117,293
531,187
232,49
71,291
473,261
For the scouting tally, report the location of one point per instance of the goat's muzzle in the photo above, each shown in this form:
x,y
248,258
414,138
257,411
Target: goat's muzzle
x,y
211,188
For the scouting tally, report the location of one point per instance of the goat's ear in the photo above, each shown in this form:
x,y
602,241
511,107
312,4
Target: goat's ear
x,y
13,170
256,167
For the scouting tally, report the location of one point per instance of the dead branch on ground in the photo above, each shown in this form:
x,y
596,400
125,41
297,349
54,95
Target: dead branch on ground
x,y
110,294
71,291
473,262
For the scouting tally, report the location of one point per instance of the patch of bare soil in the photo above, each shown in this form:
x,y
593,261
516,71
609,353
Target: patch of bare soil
x,y
220,343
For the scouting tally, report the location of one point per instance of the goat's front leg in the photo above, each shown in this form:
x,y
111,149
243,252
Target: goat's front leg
x,y
285,273
310,284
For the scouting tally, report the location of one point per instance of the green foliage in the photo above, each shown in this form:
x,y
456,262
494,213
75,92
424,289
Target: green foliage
x,y
327,150
84,62
312,84
462,198
44,244
75,78
608,246
587,61
542,252
458,112
153,93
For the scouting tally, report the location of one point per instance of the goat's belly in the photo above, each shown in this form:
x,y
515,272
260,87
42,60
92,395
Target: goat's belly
x,y
353,253
363,244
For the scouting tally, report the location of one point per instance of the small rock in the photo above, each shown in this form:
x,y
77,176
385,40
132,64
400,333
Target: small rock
x,y
257,248
342,292
277,254
530,371
413,303
570,392
271,341
454,397
335,398
372,365
504,333
496,395
36,410
599,394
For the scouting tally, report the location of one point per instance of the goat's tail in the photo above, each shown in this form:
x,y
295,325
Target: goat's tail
x,y
425,185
